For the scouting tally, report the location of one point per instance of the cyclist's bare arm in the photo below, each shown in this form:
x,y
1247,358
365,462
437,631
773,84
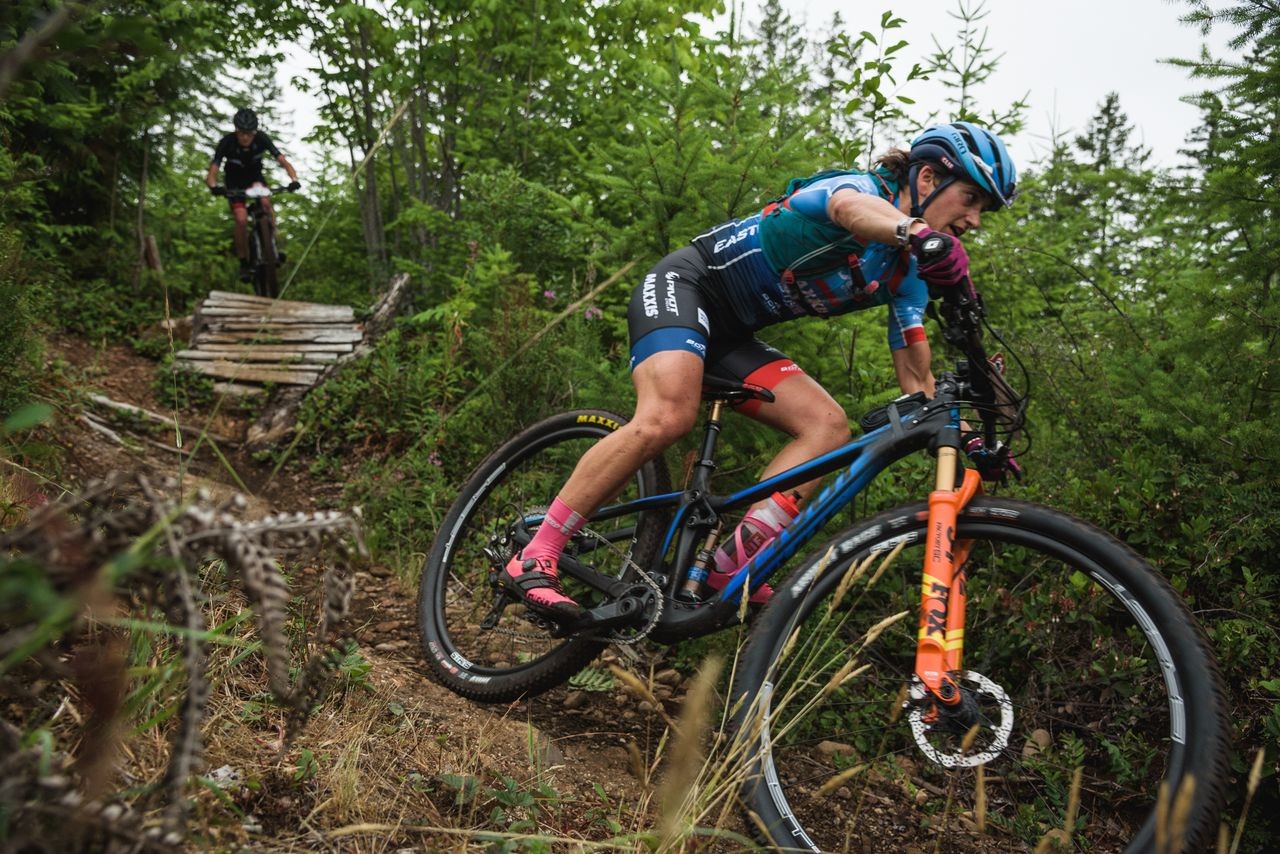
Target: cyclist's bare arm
x,y
211,178
912,364
288,167
868,216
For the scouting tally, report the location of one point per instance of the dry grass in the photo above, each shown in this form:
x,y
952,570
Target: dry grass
x,y
369,772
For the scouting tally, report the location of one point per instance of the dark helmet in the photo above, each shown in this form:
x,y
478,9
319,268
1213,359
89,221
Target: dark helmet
x,y
245,119
965,150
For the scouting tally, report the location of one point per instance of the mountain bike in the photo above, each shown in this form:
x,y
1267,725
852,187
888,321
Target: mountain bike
x,y
1049,679
264,258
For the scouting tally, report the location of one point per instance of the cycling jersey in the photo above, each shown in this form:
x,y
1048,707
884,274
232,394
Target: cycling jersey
x,y
752,285
244,165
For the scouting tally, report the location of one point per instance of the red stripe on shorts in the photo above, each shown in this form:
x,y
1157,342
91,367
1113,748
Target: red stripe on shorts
x,y
768,376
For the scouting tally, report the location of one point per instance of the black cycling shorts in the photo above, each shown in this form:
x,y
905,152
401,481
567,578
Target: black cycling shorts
x,y
672,309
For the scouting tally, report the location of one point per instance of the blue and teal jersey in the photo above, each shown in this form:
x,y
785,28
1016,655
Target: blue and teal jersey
x,y
749,256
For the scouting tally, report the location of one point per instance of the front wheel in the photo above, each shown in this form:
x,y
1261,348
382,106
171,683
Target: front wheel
x,y
1087,688
481,645
265,266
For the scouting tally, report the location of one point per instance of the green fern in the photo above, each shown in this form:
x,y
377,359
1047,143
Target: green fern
x,y
593,680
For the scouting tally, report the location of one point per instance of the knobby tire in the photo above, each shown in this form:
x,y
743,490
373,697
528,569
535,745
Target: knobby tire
x,y
517,658
1104,665
265,272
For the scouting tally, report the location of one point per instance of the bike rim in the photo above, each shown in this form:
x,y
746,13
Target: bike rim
x,y
1035,607
525,481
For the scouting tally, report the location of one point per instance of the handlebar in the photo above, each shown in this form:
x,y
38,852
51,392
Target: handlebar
x,y
250,192
963,315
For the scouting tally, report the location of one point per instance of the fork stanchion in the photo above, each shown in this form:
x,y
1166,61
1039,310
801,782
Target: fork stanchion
x,y
935,587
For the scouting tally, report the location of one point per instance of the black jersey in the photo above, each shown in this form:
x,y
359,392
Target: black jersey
x,y
244,165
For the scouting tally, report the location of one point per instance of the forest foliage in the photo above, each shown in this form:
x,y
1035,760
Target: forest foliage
x,y
513,163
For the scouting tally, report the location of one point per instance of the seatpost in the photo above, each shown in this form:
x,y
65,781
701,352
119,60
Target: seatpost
x,y
702,470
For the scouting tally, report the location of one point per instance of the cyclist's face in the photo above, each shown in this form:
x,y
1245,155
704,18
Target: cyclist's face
x,y
244,137
957,208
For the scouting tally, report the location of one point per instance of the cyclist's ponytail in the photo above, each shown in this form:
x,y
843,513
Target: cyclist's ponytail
x,y
897,162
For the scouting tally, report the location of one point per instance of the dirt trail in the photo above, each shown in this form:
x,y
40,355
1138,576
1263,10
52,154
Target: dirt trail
x,y
570,739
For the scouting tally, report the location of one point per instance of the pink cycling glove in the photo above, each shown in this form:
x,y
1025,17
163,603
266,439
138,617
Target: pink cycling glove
x,y
940,258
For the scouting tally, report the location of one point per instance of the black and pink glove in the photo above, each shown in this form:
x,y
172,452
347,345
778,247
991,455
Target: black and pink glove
x,y
940,258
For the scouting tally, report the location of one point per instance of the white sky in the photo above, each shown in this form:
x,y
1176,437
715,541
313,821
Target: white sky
x,y
1066,55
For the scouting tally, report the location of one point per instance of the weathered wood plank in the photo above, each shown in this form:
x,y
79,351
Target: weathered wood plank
x,y
274,305
236,324
286,349
258,315
253,299
209,316
249,354
328,336
282,307
253,373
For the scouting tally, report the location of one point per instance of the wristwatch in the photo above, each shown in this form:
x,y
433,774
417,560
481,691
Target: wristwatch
x,y
902,232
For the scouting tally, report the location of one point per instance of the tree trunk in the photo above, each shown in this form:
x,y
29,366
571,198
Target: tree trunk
x,y
371,208
416,165
142,206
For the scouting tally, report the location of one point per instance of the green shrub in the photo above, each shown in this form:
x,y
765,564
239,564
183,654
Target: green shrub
x,y
22,298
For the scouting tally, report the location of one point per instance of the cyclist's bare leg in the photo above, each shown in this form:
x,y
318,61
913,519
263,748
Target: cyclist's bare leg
x,y
668,394
806,412
668,391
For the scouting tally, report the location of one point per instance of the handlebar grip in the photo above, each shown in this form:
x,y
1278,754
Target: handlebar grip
x,y
932,248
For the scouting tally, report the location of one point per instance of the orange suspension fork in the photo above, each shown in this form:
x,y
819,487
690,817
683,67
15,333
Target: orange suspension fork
x,y
940,642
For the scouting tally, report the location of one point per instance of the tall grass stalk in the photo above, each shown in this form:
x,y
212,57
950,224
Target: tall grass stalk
x,y
1181,814
980,800
678,794
966,744
1255,778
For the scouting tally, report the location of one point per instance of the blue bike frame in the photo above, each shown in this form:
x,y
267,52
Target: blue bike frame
x,y
936,424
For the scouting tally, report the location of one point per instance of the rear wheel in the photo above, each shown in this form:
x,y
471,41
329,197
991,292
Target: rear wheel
x,y
484,647
1078,658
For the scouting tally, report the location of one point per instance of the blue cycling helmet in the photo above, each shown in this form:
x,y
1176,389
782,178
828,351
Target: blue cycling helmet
x,y
964,150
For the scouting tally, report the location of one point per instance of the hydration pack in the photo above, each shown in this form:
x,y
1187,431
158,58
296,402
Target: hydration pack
x,y
797,245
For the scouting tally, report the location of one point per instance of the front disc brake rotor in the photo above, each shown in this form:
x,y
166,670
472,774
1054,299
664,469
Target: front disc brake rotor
x,y
982,697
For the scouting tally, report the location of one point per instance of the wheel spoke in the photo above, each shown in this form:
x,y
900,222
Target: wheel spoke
x,y
1064,654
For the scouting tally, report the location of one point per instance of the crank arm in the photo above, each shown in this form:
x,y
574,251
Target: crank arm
x,y
586,573
627,611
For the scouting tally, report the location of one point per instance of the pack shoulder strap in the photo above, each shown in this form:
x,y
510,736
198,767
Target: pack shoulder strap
x,y
840,248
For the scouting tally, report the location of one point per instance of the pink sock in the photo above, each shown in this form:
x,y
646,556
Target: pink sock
x,y
561,523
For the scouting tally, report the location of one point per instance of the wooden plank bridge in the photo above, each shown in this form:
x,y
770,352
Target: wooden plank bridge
x,y
245,342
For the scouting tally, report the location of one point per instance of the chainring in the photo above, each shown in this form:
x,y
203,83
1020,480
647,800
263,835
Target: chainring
x,y
502,549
